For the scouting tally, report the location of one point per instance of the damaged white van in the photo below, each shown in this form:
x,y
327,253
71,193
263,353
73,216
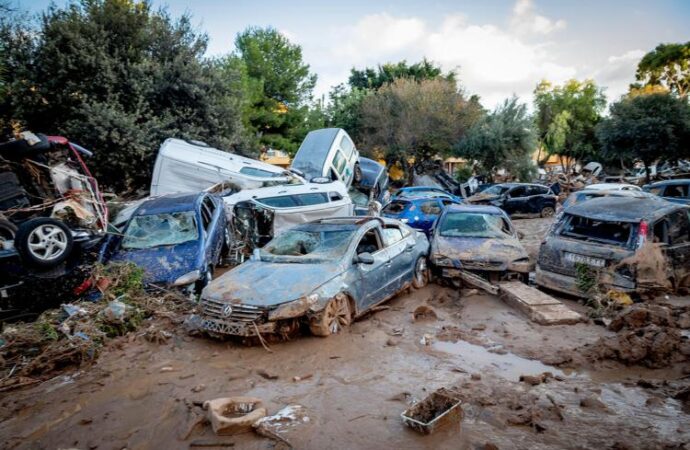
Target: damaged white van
x,y
192,166
328,153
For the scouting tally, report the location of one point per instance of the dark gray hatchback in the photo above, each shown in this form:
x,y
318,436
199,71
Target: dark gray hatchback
x,y
602,232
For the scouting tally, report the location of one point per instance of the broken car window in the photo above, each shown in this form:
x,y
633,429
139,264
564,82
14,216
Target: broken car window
x,y
431,207
474,225
495,190
391,235
395,207
586,229
307,242
156,230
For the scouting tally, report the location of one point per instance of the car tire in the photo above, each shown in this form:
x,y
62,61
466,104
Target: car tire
x,y
357,176
8,230
43,242
335,316
420,277
547,211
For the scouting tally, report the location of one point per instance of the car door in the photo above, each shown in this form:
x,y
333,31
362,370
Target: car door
x,y
678,250
373,280
516,200
397,242
209,221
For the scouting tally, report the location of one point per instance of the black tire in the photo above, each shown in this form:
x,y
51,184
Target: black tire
x,y
8,230
357,176
43,242
420,277
547,211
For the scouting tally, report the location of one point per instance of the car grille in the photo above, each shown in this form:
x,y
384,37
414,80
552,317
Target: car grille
x,y
240,312
482,265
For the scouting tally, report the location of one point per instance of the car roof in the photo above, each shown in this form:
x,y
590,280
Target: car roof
x,y
169,203
615,193
313,152
519,184
680,181
420,188
609,186
371,171
481,209
623,209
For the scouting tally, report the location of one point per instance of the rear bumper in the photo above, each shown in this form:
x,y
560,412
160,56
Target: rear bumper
x,y
568,284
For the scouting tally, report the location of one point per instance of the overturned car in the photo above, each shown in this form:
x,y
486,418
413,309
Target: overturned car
x,y
321,274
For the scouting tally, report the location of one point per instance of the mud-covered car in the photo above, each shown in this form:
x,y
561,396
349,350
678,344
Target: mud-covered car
x,y
178,239
372,191
322,274
478,239
518,198
610,236
419,213
676,191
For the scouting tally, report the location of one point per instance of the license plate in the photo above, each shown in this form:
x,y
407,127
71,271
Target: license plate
x,y
582,259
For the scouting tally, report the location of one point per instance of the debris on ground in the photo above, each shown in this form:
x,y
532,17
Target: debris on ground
x,y
233,415
440,409
424,312
280,422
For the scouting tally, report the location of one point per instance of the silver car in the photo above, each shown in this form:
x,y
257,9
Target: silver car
x,y
323,273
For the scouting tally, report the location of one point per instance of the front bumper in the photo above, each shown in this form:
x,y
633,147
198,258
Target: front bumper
x,y
568,284
236,328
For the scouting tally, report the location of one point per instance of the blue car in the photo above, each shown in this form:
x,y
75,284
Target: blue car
x,y
676,191
374,186
178,240
423,191
322,274
417,212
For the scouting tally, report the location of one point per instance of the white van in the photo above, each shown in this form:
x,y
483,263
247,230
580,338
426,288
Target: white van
x,y
328,153
183,166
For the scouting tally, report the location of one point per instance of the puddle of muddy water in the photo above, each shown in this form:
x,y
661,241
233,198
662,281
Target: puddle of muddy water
x,y
509,366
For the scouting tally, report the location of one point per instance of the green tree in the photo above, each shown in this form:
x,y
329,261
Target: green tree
x,y
119,78
370,78
566,117
345,109
282,83
646,128
667,65
503,139
419,119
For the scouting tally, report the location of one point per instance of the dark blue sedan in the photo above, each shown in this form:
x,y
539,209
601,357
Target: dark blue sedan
x,y
418,212
177,239
676,191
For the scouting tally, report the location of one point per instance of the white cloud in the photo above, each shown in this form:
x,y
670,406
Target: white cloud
x,y
526,21
618,73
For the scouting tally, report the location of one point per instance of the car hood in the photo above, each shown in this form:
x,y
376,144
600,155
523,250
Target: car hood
x,y
479,249
162,264
261,283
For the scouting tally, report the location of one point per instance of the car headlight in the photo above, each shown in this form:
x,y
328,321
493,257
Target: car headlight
x,y
293,309
188,278
440,260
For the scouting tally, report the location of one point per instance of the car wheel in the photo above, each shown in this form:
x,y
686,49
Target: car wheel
x,y
333,318
547,211
358,174
8,230
421,273
44,242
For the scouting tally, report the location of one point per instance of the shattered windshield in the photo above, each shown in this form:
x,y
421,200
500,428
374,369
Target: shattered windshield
x,y
156,230
474,225
495,190
586,229
312,243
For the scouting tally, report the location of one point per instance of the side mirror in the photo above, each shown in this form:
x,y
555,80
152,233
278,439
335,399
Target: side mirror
x,y
256,255
364,258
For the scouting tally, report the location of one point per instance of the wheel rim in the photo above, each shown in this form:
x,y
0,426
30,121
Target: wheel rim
x,y
547,212
47,242
420,271
338,315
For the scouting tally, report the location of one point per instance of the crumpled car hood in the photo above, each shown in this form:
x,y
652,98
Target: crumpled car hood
x,y
479,249
163,264
262,283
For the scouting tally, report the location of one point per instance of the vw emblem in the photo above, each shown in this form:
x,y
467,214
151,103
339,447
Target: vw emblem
x,y
227,310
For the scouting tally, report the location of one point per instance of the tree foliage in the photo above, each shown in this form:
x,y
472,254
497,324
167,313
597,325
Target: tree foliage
x,y
419,119
374,78
667,65
566,117
647,128
503,139
119,78
280,86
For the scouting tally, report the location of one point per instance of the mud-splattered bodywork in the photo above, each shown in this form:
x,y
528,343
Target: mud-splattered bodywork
x,y
607,236
498,255
270,294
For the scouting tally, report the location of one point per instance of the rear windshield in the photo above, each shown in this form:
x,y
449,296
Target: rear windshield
x,y
156,230
607,232
395,207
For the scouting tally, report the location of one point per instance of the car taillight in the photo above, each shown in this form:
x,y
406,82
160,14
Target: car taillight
x,y
642,235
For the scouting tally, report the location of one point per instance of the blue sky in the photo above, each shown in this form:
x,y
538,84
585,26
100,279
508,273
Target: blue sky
x,y
498,47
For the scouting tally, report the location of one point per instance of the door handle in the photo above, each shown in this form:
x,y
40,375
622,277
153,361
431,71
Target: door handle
x,y
409,248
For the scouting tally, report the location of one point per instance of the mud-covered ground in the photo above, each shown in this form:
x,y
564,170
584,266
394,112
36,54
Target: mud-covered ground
x,y
354,386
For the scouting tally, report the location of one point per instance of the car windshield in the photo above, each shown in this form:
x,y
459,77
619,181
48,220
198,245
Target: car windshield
x,y
155,230
475,225
395,207
309,243
423,194
586,229
495,190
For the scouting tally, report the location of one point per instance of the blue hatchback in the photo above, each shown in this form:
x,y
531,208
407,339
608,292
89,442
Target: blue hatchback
x,y
418,212
423,191
177,239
